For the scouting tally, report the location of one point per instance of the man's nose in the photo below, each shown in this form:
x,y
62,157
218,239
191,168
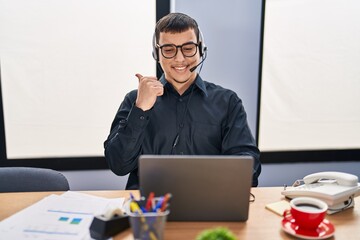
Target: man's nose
x,y
179,55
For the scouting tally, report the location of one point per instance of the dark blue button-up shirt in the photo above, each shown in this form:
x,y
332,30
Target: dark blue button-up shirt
x,y
206,120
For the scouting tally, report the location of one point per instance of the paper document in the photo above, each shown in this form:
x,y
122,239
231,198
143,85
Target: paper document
x,y
278,207
57,217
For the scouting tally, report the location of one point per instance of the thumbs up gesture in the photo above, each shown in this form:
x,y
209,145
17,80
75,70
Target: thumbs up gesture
x,y
148,90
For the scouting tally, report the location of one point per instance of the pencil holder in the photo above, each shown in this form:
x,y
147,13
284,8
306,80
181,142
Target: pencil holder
x,y
148,225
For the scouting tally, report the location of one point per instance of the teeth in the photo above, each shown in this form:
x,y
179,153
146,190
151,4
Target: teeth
x,y
179,68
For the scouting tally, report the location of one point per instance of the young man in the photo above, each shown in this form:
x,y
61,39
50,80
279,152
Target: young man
x,y
179,113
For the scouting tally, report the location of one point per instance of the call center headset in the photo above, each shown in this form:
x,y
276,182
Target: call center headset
x,y
202,48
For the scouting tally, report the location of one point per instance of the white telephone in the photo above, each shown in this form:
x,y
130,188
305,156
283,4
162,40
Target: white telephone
x,y
337,189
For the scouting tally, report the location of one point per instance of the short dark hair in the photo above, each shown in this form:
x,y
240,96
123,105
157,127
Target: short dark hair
x,y
176,23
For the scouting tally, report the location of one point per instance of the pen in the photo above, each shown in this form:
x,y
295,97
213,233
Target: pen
x,y
159,203
143,209
134,207
165,202
132,197
148,205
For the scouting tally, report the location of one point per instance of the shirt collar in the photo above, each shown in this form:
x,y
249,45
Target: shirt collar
x,y
198,82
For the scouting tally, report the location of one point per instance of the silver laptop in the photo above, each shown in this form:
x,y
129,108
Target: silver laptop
x,y
203,188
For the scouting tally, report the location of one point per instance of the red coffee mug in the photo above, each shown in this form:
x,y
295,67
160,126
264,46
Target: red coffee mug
x,y
307,212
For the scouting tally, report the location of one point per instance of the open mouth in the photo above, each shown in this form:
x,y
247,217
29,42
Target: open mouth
x,y
180,68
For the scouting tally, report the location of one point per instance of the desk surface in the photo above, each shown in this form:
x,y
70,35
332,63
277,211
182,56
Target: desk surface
x,y
262,224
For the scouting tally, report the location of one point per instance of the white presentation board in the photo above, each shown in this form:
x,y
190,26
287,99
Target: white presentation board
x,y
310,90
66,67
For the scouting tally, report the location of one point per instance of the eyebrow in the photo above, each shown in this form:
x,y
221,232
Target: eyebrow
x,y
175,44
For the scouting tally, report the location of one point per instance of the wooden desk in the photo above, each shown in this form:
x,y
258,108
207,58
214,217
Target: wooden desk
x,y
262,224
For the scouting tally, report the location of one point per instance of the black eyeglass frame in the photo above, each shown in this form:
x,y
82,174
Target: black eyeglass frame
x,y
177,47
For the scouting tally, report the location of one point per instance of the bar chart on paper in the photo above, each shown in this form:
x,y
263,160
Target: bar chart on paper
x,y
57,225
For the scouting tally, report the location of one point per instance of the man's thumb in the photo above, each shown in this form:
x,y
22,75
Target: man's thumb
x,y
139,76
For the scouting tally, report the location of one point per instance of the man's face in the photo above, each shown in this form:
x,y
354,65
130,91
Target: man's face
x,y
177,69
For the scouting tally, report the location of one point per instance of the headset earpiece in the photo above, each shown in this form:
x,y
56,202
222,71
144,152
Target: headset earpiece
x,y
155,51
202,46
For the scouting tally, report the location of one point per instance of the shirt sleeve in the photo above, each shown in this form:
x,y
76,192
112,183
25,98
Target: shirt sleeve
x,y
237,136
123,145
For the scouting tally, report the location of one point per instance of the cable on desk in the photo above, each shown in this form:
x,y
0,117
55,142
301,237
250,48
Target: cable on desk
x,y
252,198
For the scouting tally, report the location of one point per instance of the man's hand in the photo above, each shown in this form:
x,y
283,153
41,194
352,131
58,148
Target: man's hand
x,y
149,89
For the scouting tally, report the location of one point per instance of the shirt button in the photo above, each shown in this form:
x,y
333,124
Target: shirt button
x,y
180,99
142,117
181,125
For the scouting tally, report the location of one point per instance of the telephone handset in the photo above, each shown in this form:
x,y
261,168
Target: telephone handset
x,y
337,189
344,179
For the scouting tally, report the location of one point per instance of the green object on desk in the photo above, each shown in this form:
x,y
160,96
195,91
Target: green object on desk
x,y
219,233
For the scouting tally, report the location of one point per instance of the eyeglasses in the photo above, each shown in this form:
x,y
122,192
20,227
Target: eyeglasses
x,y
170,50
